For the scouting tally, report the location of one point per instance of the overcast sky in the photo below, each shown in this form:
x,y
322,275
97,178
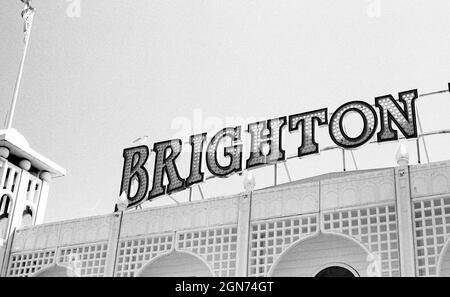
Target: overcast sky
x,y
102,74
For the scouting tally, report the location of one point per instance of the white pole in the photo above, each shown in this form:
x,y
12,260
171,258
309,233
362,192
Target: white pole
x,y
275,173
343,160
354,160
421,132
287,171
27,15
201,191
173,199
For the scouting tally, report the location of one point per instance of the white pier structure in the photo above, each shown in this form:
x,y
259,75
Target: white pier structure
x,y
388,222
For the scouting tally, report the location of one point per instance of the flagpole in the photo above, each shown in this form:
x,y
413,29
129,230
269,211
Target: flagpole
x,y
27,15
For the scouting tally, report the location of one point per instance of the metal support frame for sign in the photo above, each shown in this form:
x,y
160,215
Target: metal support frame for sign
x,y
275,172
354,160
190,194
200,189
419,161
418,151
419,124
356,106
343,161
173,199
288,173
201,192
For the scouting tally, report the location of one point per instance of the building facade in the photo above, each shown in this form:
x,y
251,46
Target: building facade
x,y
380,222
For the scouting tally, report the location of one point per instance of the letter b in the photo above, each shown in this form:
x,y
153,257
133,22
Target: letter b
x,y
133,168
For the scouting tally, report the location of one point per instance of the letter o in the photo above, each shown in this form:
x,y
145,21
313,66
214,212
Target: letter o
x,y
336,129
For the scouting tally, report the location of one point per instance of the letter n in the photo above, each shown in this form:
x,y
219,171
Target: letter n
x,y
391,112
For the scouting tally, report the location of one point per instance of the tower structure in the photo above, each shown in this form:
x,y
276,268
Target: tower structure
x,y
25,177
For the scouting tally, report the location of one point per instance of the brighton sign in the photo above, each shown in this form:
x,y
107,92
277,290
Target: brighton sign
x,y
401,113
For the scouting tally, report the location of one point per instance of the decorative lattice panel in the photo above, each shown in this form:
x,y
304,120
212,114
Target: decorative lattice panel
x,y
271,237
134,253
216,246
431,229
85,260
27,263
375,227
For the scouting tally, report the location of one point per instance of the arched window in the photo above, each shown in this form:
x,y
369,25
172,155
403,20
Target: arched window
x,y
179,264
27,217
335,271
322,255
5,202
5,207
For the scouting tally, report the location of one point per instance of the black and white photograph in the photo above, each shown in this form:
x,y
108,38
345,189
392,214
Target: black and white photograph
x,y
226,146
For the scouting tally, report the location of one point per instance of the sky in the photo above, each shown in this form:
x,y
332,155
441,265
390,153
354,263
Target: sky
x,y
100,74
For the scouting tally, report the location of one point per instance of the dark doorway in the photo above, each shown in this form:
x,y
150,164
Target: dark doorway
x,y
335,271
